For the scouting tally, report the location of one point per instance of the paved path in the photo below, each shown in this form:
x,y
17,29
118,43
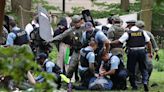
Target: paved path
x,y
80,3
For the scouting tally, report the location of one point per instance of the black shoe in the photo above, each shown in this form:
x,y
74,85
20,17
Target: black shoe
x,y
146,88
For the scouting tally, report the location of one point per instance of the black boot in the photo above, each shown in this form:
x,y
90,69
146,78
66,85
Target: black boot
x,y
146,89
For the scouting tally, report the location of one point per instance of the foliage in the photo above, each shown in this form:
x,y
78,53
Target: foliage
x,y
158,14
16,61
110,9
159,65
53,54
45,4
77,10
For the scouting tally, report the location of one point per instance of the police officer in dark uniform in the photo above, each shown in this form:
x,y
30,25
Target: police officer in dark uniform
x,y
17,36
136,42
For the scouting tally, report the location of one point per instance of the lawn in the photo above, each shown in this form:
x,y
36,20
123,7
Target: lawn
x,y
156,77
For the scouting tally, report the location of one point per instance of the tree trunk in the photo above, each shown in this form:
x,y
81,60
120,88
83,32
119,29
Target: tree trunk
x,y
14,5
125,5
22,13
146,14
2,9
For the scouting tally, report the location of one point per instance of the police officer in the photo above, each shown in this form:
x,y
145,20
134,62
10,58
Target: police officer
x,y
115,32
76,33
49,67
112,66
88,34
130,23
87,60
149,64
100,38
17,36
136,41
62,45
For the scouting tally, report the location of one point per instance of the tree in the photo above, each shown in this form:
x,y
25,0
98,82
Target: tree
x,y
125,5
146,14
2,7
22,8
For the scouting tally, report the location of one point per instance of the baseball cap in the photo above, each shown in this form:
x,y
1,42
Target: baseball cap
x,y
140,24
88,25
76,18
41,55
116,18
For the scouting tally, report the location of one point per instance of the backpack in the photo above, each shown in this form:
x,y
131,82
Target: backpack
x,y
56,69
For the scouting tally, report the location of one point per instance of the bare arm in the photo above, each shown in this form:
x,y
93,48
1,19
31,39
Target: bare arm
x,y
107,45
149,45
91,67
115,42
31,78
110,72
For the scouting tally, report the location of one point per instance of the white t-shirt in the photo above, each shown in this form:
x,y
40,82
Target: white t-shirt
x,y
125,36
29,28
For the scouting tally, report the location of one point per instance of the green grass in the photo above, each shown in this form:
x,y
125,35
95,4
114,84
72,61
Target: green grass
x,y
160,64
156,77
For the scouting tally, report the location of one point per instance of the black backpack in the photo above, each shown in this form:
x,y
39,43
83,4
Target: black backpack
x,y
56,68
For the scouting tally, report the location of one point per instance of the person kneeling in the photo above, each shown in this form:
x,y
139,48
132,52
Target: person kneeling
x,y
47,66
114,67
86,68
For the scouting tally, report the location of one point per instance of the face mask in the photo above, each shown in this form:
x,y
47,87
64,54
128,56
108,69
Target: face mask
x,y
89,34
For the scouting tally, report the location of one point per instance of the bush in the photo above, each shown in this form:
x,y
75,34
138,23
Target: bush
x,y
15,61
159,65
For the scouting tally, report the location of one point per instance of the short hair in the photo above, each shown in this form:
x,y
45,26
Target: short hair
x,y
92,42
103,53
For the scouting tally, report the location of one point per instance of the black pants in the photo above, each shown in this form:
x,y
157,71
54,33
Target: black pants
x,y
137,56
85,77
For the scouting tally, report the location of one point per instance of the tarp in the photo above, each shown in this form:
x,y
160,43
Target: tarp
x,y
44,23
